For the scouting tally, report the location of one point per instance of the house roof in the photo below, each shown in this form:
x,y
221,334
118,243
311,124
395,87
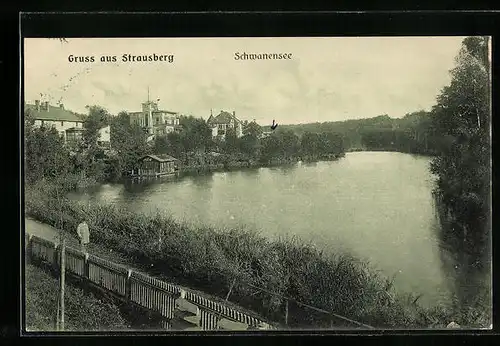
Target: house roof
x,y
54,113
160,158
223,118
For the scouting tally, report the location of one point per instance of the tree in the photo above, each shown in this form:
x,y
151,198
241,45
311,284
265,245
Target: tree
x,y
129,141
175,147
93,155
309,144
249,145
289,143
271,147
97,118
45,154
331,143
462,117
231,142
196,134
253,129
161,145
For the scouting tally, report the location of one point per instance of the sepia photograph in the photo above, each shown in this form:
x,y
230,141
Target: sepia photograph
x,y
257,184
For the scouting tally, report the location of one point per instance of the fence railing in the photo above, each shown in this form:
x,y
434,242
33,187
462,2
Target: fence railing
x,y
141,289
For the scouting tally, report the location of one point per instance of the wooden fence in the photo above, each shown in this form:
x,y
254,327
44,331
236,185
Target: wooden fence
x,y
143,290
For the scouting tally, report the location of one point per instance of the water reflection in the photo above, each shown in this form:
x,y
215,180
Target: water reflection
x,y
203,181
250,172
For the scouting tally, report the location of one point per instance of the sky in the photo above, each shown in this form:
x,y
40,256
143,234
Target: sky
x,y
327,79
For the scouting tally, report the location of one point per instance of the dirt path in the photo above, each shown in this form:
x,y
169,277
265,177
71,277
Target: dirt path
x,y
48,232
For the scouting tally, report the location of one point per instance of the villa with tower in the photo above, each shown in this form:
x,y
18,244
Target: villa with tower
x,y
155,121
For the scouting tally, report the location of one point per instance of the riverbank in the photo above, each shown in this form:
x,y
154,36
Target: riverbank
x,y
428,153
211,260
232,165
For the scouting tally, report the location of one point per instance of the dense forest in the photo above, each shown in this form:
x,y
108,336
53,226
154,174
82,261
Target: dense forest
x,y
413,133
462,118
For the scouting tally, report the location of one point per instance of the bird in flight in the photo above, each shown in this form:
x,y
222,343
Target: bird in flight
x,y
274,125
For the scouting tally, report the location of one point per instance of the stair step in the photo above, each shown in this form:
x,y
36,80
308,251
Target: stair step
x,y
192,319
182,304
232,325
182,314
180,324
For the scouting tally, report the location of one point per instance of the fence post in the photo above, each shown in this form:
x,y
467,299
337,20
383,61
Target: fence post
x,y
128,285
28,249
286,312
56,259
86,267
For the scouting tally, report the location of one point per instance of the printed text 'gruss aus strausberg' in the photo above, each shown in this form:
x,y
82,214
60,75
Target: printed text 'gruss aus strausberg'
x,y
127,57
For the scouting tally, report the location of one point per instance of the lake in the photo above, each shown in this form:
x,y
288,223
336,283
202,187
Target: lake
x,y
375,205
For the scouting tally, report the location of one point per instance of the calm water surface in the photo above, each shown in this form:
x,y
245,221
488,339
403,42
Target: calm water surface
x,y
375,205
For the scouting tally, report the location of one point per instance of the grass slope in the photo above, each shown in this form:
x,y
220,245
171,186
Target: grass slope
x,y
83,310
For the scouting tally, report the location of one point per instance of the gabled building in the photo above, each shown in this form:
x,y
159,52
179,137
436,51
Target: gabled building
x,y
68,124
156,165
155,121
222,122
64,121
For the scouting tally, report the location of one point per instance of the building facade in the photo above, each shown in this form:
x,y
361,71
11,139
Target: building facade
x,y
68,124
104,140
156,165
155,121
59,118
224,121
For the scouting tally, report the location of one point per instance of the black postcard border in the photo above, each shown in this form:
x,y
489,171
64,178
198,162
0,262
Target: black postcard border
x,y
216,24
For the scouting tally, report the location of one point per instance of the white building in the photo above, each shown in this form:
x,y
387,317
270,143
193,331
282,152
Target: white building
x,y
67,123
223,122
61,119
157,122
104,137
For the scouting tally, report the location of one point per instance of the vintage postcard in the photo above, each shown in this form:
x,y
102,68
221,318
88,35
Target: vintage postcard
x,y
235,184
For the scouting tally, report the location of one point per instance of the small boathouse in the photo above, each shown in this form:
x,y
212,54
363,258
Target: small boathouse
x,y
157,165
